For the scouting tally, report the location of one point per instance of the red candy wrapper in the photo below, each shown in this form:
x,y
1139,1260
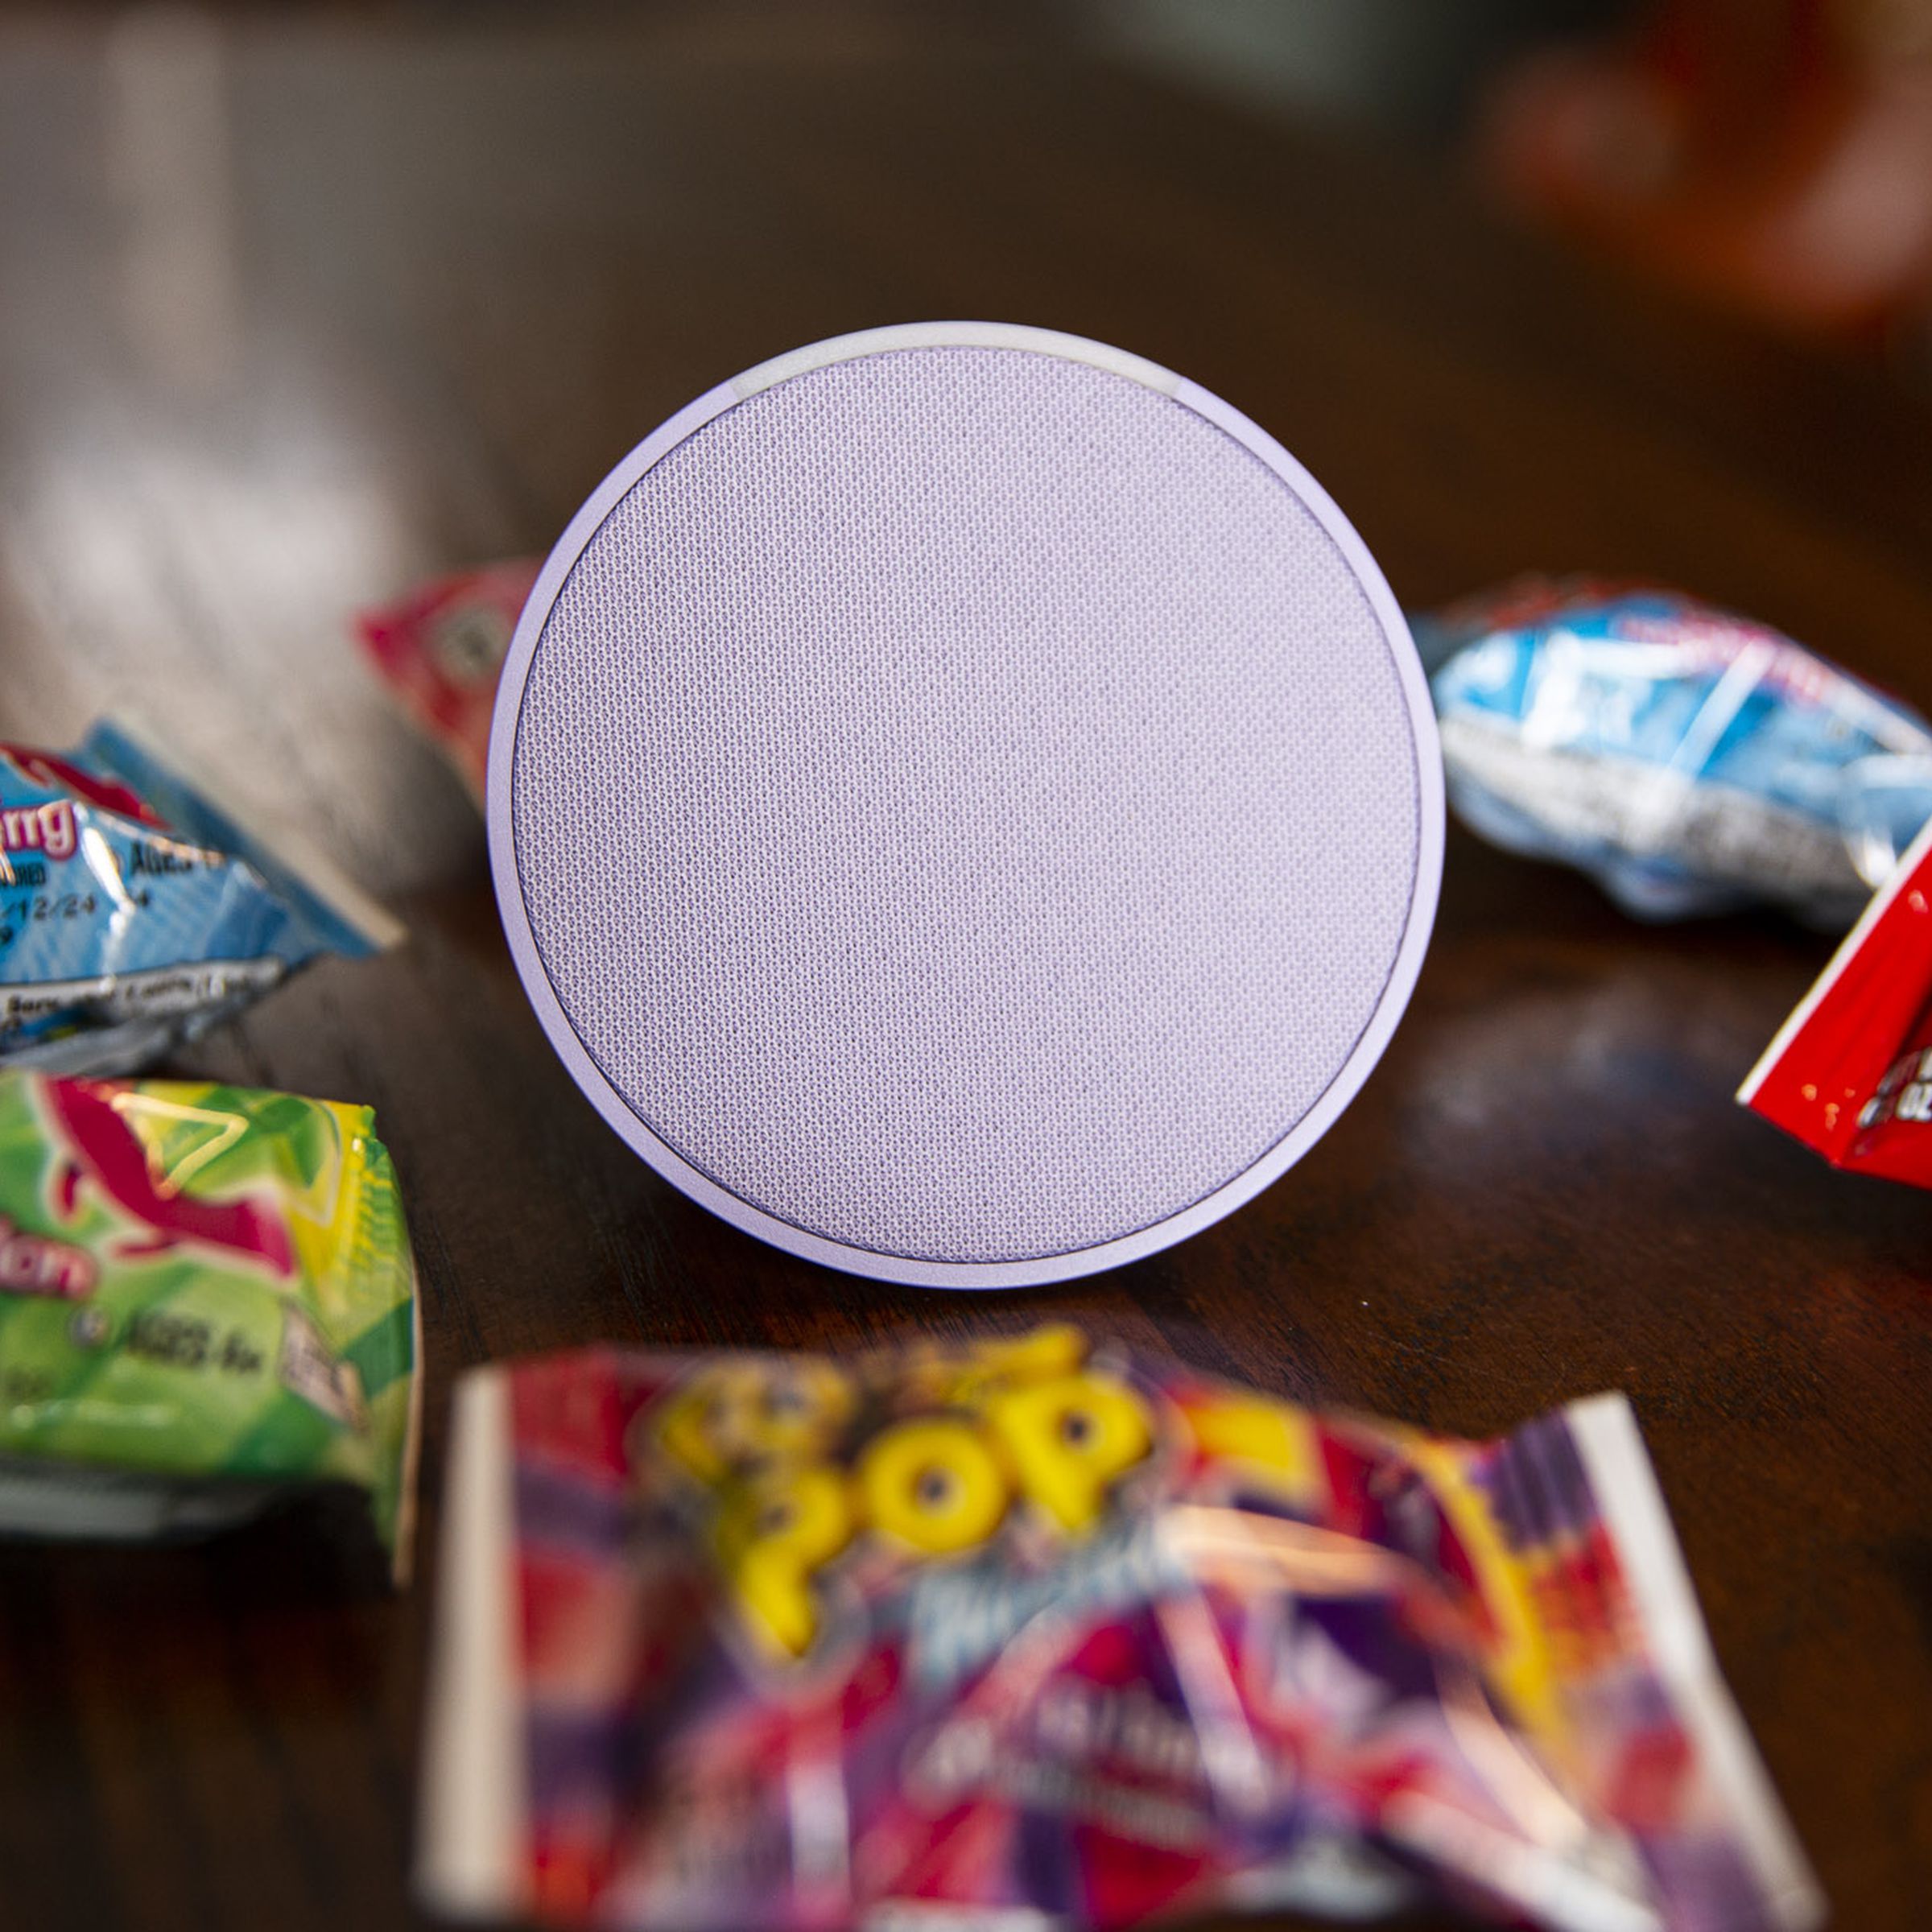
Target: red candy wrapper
x,y
440,650
1850,1073
1034,1633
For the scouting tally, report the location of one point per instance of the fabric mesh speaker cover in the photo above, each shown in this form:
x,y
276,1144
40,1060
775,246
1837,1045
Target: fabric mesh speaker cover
x,y
963,801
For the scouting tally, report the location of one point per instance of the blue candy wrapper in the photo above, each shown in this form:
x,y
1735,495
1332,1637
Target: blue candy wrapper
x,y
1691,761
135,910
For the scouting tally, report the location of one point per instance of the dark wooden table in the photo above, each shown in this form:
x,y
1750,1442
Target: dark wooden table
x,y
292,313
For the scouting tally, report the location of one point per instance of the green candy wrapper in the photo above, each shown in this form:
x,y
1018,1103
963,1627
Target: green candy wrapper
x,y
207,1298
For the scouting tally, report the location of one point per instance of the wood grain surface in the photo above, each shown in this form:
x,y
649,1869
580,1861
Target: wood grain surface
x,y
291,313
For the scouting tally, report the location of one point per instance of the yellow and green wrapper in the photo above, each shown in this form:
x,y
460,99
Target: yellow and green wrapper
x,y
207,1298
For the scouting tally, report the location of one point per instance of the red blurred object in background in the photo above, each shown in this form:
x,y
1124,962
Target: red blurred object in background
x,y
1776,154
440,651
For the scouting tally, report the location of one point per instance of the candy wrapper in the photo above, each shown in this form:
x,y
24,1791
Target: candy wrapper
x,y
135,910
1691,761
1850,1072
1034,1633
440,651
207,1302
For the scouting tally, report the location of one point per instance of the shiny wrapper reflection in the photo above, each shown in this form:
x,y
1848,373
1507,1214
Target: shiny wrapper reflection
x,y
1850,1072
207,1305
1691,761
137,909
1037,1632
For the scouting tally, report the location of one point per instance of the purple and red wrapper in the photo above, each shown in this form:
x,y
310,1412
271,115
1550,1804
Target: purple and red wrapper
x,y
1036,1632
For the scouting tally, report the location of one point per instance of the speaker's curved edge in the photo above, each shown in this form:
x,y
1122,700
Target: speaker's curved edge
x,y
1043,1270
899,336
675,429
1431,807
551,578
1389,612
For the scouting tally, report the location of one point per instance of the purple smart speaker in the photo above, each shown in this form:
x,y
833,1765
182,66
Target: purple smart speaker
x,y
964,805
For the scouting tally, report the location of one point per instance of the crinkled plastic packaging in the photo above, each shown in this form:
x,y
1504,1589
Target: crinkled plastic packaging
x,y
135,910
1850,1072
1038,1633
207,1302
440,651
1690,761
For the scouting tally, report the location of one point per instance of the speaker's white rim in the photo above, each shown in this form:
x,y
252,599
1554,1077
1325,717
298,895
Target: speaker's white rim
x,y
1042,1270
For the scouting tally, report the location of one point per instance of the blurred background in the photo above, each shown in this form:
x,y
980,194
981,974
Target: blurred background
x,y
1773,154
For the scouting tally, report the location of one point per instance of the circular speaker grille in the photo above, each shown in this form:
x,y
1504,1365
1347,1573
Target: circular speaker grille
x,y
964,804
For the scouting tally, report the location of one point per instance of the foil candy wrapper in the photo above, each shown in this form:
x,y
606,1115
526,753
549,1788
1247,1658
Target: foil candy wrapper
x,y
1035,1633
137,909
440,649
207,1303
1850,1072
1690,761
